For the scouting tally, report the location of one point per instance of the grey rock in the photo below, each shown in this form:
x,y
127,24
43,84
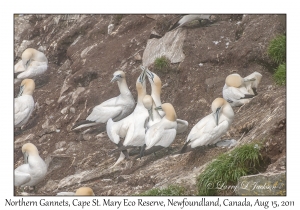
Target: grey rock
x,y
267,184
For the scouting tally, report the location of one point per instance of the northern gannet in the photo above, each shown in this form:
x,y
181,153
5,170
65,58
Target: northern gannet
x,y
154,116
187,19
24,103
238,91
33,63
33,170
87,191
161,134
116,108
210,129
155,83
132,128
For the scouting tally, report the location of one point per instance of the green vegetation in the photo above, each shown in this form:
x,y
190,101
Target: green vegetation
x,y
117,19
277,52
277,49
171,190
162,64
228,167
280,74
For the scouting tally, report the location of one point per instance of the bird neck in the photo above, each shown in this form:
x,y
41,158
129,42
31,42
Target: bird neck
x,y
123,87
141,89
155,113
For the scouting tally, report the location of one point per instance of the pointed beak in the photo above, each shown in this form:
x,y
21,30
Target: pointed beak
x,y
150,114
25,157
115,78
217,115
21,91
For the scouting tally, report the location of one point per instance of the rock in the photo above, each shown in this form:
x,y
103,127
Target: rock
x,y
72,110
49,101
64,110
47,130
110,28
170,46
45,138
266,184
50,186
137,57
60,144
213,81
227,143
24,45
23,140
55,162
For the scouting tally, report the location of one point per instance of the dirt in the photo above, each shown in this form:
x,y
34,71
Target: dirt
x,y
82,58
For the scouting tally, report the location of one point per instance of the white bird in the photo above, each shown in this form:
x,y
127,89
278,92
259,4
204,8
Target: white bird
x,y
187,19
154,116
239,91
24,103
132,128
33,171
161,134
87,191
116,108
33,63
155,82
210,129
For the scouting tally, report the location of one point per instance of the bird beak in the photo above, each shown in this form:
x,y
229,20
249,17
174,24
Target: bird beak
x,y
150,75
21,91
217,115
115,78
150,114
25,157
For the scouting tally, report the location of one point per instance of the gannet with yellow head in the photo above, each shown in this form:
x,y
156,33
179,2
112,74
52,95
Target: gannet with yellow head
x,y
210,129
161,134
131,128
155,83
33,63
82,191
34,168
115,108
154,116
239,91
24,103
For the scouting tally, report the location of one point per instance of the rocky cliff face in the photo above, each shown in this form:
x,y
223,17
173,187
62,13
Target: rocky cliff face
x,y
82,58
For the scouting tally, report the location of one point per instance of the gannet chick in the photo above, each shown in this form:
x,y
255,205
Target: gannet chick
x,y
161,134
131,128
33,170
87,191
33,63
155,83
24,103
239,91
154,116
115,108
210,129
187,19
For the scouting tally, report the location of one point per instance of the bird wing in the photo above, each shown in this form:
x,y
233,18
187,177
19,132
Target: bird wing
x,y
22,109
19,67
111,132
167,138
210,135
232,93
182,125
103,113
153,135
21,175
198,128
36,68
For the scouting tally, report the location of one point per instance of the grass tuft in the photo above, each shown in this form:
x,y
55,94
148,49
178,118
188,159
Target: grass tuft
x,y
162,64
228,167
277,49
171,190
280,74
